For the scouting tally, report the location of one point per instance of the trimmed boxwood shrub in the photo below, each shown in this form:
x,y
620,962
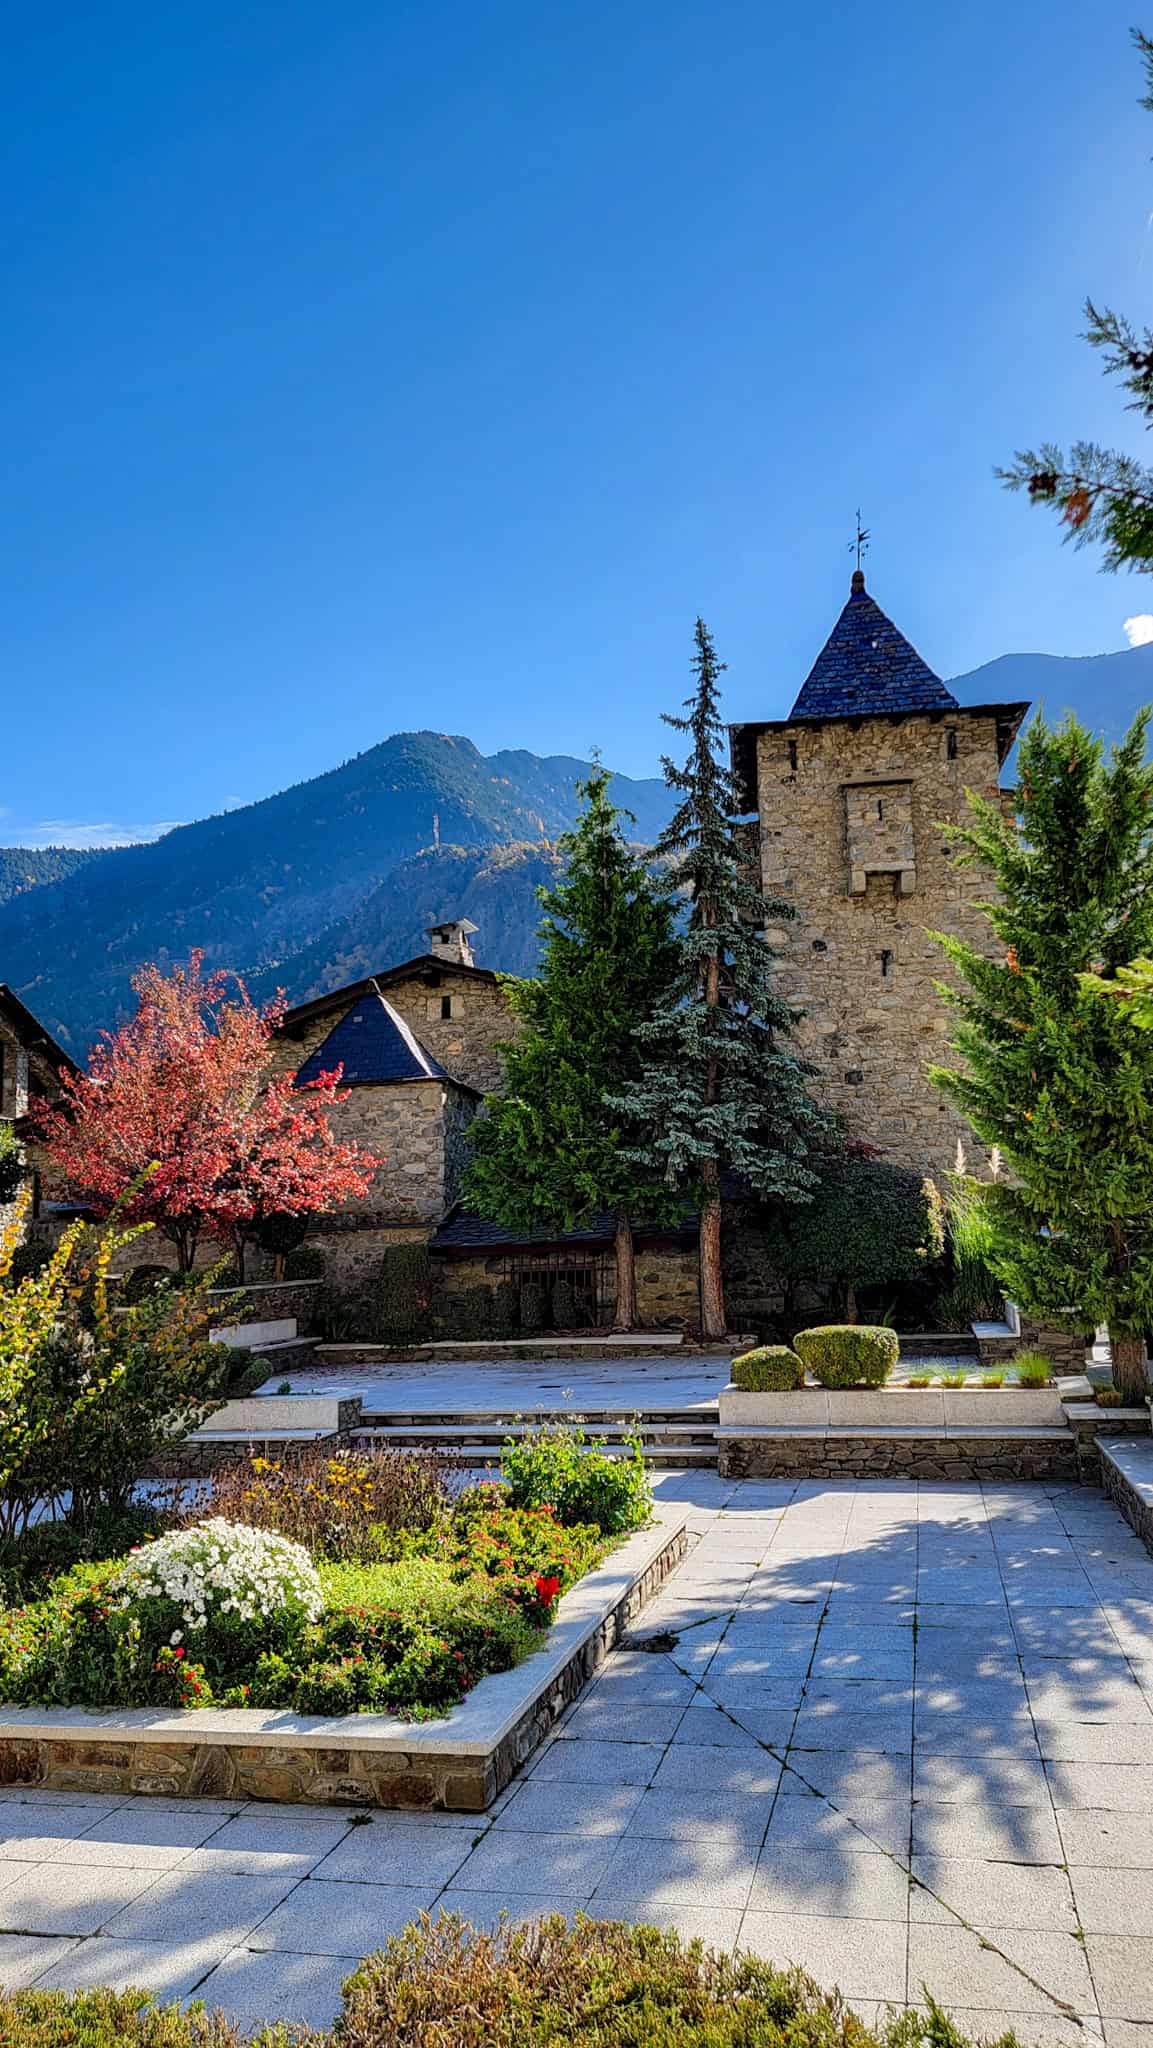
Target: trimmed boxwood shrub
x,y
770,1369
849,1354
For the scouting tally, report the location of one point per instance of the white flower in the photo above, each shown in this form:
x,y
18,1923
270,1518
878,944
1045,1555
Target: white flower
x,y
177,1636
222,1567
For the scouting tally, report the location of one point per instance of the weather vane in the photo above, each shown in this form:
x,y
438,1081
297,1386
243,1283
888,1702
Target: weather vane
x,y
860,540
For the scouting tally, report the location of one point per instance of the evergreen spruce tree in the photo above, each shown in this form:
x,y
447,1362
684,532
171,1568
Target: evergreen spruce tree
x,y
1054,1073
551,1152
722,1088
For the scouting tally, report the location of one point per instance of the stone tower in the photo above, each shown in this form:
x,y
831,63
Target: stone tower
x,y
849,791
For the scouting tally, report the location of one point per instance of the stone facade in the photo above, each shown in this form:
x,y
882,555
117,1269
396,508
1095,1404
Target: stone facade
x,y
31,1064
464,1041
848,814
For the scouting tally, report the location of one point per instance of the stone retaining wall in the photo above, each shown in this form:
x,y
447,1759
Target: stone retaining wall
x,y
1127,1478
905,1456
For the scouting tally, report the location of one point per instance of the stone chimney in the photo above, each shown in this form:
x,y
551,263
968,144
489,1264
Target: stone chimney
x,y
451,942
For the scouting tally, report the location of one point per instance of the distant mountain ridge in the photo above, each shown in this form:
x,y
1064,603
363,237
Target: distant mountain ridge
x,y
30,867
1104,690
339,875
256,886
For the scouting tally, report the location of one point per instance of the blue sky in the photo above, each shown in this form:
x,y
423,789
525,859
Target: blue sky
x,y
390,365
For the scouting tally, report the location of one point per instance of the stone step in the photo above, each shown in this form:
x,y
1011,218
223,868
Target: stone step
x,y
498,1433
937,1344
486,1456
703,1418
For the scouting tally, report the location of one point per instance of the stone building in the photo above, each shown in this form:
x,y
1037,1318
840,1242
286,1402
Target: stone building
x,y
31,1066
31,1062
417,1049
849,791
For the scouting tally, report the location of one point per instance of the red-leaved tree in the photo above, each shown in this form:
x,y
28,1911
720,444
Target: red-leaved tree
x,y
180,1120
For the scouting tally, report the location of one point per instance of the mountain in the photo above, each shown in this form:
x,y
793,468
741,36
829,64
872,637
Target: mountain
x,y
258,886
495,886
1104,690
28,867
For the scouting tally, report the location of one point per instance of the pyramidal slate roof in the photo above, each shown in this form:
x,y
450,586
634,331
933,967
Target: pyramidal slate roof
x,y
372,1042
867,667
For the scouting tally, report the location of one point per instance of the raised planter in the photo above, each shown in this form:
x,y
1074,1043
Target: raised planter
x,y
264,1422
917,1432
895,1407
458,1764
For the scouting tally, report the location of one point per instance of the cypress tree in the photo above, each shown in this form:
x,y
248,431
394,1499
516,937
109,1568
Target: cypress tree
x,y
552,1152
722,1087
1054,1072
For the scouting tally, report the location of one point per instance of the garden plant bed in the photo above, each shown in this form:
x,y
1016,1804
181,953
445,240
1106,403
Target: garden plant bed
x,y
459,1763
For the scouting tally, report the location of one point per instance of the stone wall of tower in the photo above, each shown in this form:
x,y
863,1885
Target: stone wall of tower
x,y
848,815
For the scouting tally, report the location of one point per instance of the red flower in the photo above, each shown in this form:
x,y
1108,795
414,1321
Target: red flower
x,y
547,1590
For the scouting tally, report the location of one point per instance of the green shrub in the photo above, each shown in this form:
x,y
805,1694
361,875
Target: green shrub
x,y
849,1354
13,1169
771,1369
951,1379
536,1985
1110,1397
107,2019
305,1263
144,1281
561,1469
342,1505
547,1985
396,1306
869,1224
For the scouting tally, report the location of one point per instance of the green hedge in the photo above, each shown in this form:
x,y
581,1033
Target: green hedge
x,y
849,1354
771,1369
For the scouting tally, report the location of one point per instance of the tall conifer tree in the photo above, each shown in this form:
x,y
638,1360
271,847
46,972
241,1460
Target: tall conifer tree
x,y
723,1088
552,1153
1054,1073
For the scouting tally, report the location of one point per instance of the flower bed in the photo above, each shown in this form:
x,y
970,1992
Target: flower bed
x,y
327,1586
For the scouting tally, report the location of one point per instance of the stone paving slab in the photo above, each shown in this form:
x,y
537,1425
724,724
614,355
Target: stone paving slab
x,y
966,1807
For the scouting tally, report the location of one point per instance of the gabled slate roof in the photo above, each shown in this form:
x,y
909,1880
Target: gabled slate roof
x,y
372,1043
866,667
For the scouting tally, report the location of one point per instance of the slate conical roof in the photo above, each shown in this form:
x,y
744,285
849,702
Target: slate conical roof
x,y
372,1042
866,667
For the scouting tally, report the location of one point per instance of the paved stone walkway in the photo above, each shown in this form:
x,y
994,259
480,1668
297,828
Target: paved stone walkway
x,y
511,1386
904,1738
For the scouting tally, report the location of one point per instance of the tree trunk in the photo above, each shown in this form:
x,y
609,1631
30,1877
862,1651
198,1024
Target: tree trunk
x,y
850,1302
625,1252
712,1282
1129,1376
